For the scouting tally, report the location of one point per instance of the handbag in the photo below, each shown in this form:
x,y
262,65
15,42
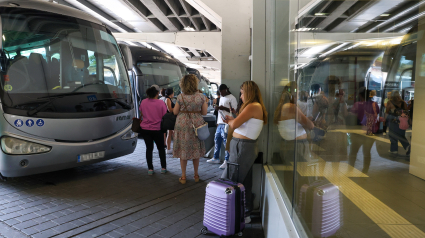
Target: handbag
x,y
135,126
202,132
168,121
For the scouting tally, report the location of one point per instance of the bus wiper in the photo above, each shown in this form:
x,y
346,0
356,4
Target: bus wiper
x,y
116,100
45,105
66,94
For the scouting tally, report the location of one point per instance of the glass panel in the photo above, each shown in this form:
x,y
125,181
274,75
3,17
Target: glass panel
x,y
50,64
346,143
162,74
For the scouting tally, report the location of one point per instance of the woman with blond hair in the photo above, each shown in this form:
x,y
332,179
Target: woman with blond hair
x,y
247,126
189,108
394,108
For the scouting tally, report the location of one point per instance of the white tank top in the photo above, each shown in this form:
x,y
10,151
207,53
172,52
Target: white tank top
x,y
290,129
251,128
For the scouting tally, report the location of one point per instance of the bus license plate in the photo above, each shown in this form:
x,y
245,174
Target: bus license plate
x,y
91,156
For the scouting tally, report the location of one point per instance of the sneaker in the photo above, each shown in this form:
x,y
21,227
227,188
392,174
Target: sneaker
x,y
170,152
224,165
393,152
247,220
163,171
151,172
384,133
213,161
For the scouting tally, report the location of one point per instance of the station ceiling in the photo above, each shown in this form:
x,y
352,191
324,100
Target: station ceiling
x,y
388,18
126,16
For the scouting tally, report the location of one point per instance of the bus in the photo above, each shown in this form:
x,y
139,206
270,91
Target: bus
x,y
65,94
400,61
153,67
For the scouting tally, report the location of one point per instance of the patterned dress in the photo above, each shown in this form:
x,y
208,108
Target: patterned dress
x,y
187,146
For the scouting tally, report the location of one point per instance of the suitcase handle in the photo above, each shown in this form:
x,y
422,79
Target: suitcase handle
x,y
228,169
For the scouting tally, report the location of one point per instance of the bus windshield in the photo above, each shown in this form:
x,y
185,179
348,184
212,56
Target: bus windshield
x,y
164,75
54,66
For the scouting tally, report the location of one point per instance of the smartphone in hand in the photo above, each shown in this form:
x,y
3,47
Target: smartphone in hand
x,y
222,115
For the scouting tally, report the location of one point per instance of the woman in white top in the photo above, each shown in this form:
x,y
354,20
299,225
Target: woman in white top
x,y
292,126
247,127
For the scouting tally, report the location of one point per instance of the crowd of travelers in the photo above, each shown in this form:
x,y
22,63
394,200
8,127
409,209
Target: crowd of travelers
x,y
300,117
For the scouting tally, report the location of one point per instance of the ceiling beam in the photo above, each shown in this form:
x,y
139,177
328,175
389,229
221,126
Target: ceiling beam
x,y
172,4
105,15
143,11
205,10
195,52
209,41
343,7
188,9
159,11
322,9
65,3
207,23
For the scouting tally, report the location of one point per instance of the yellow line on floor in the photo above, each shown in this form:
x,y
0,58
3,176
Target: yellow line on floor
x,y
338,174
363,133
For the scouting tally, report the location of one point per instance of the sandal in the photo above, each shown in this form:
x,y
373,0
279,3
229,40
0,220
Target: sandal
x,y
182,180
196,177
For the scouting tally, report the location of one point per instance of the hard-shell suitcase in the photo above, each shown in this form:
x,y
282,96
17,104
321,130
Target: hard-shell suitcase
x,y
224,211
321,201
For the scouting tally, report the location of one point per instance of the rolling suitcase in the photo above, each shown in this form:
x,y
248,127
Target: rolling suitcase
x,y
224,211
321,201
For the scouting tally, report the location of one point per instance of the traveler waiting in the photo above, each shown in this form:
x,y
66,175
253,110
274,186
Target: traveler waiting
x,y
168,95
161,97
394,108
371,113
152,110
216,102
292,126
384,129
227,103
243,150
190,107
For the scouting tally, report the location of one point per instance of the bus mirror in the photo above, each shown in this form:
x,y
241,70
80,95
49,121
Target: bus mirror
x,y
126,53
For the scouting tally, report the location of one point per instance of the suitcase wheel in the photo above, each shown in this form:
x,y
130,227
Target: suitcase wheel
x,y
204,230
240,233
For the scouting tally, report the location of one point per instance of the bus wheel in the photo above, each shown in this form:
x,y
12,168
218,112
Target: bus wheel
x,y
3,178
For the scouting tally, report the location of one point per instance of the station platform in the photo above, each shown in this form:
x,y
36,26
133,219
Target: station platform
x,y
115,198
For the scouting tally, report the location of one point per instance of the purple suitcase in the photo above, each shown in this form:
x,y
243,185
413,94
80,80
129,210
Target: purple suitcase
x,y
224,211
321,201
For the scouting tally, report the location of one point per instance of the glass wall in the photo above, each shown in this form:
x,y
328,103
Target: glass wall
x,y
346,143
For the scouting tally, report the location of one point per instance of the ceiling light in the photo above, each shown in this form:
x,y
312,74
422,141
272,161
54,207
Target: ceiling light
x,y
384,15
334,49
321,14
93,13
4,38
189,28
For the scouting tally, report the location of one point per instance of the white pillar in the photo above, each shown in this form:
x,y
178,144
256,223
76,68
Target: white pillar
x,y
417,156
235,65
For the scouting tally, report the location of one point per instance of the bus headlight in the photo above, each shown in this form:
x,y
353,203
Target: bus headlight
x,y
16,146
129,135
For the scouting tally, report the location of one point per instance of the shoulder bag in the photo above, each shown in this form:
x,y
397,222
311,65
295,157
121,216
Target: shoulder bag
x,y
168,121
135,126
202,132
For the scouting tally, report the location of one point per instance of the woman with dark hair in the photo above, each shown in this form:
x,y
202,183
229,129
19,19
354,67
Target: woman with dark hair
x,y
371,110
394,108
152,110
168,95
216,102
247,126
190,107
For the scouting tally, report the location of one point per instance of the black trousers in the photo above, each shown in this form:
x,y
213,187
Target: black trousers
x,y
158,138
